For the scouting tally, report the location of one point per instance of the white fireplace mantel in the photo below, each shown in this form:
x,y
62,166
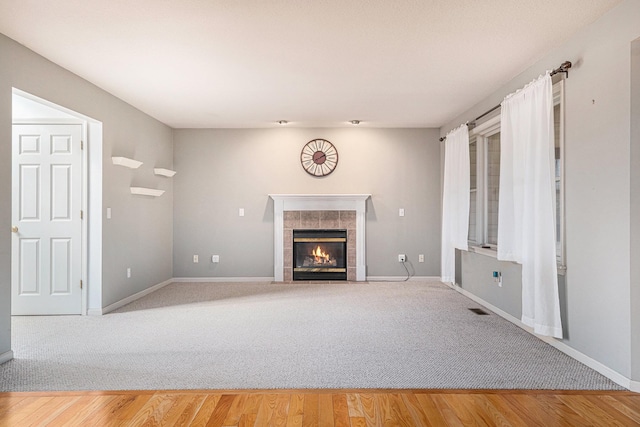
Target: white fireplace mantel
x,y
319,202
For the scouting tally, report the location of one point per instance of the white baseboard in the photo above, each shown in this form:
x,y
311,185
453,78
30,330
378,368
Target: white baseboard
x,y
127,300
221,279
403,279
6,356
569,351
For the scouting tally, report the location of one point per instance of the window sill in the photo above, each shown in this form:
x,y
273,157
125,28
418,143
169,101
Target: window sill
x,y
484,251
493,253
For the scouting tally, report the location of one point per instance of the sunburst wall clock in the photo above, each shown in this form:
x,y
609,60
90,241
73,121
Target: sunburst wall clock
x,y
319,157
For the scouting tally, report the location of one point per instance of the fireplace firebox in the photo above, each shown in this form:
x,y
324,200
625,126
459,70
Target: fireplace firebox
x,y
319,254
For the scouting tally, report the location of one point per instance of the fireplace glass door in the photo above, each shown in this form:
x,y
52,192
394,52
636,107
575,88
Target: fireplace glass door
x,y
319,255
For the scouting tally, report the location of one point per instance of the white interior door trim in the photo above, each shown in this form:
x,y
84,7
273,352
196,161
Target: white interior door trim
x,y
91,198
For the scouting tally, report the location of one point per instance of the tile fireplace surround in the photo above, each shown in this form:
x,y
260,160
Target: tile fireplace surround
x,y
329,211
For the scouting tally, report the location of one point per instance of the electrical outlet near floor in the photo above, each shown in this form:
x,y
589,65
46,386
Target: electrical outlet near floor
x,y
402,258
195,258
421,258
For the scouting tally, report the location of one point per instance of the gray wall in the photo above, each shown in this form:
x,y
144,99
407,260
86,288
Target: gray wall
x,y
596,309
635,209
220,171
140,234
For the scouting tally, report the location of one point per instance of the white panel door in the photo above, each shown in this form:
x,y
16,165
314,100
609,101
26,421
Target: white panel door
x,y
46,256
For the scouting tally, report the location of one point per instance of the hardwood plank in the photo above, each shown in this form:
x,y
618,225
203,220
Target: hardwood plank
x,y
622,407
180,404
19,415
221,410
466,410
358,422
235,411
107,414
400,410
507,411
50,410
610,410
494,415
206,410
247,420
310,416
530,409
340,410
431,410
189,412
83,410
556,408
449,415
355,406
371,410
252,405
129,410
9,402
155,411
413,406
589,412
325,410
273,411
296,410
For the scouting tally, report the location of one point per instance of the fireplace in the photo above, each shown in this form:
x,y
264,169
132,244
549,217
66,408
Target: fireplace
x,y
320,254
319,212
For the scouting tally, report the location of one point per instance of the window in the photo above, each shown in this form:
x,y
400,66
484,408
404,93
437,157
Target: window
x,y
484,153
473,155
558,126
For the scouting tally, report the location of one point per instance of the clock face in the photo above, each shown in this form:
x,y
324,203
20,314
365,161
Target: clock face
x,y
319,157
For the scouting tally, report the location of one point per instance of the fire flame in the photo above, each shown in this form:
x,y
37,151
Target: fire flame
x,y
319,254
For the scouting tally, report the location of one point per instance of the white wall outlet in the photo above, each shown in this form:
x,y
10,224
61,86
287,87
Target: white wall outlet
x,y
195,258
421,258
108,213
241,212
402,258
128,273
215,258
401,212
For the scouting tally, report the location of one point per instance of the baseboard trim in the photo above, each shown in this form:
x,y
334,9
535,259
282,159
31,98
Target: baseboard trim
x,y
569,351
221,279
403,279
127,300
6,356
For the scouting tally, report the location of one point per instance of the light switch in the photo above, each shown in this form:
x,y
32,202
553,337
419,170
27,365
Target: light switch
x,y
108,213
241,212
401,212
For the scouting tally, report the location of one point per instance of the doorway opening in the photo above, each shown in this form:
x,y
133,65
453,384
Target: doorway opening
x,y
56,206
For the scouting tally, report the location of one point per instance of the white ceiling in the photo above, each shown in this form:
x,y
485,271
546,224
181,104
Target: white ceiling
x,y
249,63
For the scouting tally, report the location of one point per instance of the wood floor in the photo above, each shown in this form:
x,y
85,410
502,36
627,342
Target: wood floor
x,y
321,408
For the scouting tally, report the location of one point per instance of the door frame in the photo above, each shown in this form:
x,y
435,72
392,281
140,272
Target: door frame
x,y
91,194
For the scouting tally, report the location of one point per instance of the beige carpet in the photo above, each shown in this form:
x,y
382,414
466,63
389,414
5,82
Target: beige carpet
x,y
263,335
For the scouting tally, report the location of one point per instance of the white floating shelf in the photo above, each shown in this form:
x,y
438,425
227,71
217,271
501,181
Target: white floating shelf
x,y
141,191
164,172
126,162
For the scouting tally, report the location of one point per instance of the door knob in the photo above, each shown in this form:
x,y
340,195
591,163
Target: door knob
x,y
14,229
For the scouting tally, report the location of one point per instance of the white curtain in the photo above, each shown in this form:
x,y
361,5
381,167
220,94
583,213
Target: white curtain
x,y
455,199
526,215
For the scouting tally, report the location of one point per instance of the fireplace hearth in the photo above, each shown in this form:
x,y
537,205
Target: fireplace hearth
x,y
320,254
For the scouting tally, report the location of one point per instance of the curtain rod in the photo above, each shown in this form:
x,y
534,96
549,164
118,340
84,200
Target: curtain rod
x,y
563,68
